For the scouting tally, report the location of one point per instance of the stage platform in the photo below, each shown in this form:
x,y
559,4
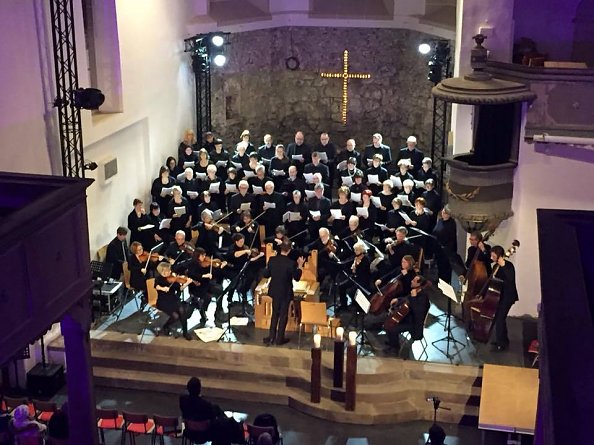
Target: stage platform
x,y
390,388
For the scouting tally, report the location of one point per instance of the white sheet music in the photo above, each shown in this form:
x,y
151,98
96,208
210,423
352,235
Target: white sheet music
x,y
419,184
201,176
248,174
308,177
376,201
166,191
165,224
405,217
181,177
180,210
362,301
363,212
146,227
396,181
189,164
447,290
342,165
231,187
245,206
356,197
323,156
315,213
257,190
192,194
404,199
347,180
373,179
269,205
278,172
237,165
214,187
336,213
221,163
310,193
297,157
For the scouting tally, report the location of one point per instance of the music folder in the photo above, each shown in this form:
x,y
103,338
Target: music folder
x,y
447,290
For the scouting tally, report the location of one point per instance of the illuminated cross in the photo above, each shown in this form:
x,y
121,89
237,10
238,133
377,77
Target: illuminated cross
x,y
345,75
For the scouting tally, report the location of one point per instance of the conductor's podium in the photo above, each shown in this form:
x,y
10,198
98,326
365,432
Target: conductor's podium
x,y
307,289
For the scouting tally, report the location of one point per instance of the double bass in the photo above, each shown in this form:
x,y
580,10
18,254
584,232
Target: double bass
x,y
476,279
484,306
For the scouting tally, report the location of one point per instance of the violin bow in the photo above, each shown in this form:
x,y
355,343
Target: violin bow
x,y
158,246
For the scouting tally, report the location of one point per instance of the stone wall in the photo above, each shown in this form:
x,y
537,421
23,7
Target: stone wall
x,y
256,91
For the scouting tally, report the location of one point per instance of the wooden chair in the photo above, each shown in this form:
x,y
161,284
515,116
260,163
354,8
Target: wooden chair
x,y
411,340
109,419
254,432
165,426
44,410
101,254
313,314
130,291
196,429
136,424
152,295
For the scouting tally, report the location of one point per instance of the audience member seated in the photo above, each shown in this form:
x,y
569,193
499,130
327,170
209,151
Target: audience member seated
x,y
22,426
222,429
57,427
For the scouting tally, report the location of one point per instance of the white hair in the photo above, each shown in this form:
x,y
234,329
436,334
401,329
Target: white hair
x,y
242,144
408,183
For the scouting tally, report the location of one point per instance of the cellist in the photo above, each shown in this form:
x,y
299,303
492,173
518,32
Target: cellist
x,y
478,270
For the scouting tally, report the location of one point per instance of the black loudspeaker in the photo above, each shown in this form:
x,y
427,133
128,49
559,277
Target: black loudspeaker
x,y
88,98
45,381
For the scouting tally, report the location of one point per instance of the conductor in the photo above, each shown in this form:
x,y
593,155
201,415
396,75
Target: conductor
x,y
283,271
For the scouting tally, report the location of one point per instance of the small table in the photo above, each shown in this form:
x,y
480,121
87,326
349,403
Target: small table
x,y
508,399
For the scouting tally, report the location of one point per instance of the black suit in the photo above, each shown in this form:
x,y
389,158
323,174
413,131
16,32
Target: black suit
x,y
383,150
117,253
222,431
415,155
282,271
509,295
413,322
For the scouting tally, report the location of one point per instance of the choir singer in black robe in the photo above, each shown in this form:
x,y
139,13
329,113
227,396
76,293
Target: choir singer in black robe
x,y
282,270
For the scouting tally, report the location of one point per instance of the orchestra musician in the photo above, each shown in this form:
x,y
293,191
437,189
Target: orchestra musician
x,y
237,256
359,272
117,252
506,272
206,281
281,270
138,267
327,257
249,228
208,233
406,274
168,298
484,254
177,252
418,303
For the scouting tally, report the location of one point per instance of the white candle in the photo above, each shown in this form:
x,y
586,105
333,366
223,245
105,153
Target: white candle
x,y
352,338
317,341
340,333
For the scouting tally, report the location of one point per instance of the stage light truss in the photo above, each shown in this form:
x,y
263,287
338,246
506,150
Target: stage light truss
x,y
66,73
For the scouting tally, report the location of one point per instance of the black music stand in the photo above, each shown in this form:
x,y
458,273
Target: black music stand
x,y
449,338
361,311
230,289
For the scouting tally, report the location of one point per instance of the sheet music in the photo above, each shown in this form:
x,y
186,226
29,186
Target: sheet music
x,y
245,206
356,197
257,190
266,161
308,177
363,212
231,187
166,191
269,205
214,187
249,174
347,180
323,156
181,210
404,199
146,227
217,214
237,165
405,217
447,290
310,193
192,194
181,177
278,172
362,301
342,165
165,224
189,164
315,213
286,216
369,162
336,213
376,201
373,179
208,335
221,163
419,184
201,176
396,181
382,226
294,216
297,157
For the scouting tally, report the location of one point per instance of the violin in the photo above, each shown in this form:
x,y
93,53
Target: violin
x,y
208,262
216,226
330,246
145,256
181,279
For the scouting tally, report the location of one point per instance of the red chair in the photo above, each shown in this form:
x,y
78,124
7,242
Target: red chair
x,y
165,426
135,425
108,419
534,348
196,429
44,410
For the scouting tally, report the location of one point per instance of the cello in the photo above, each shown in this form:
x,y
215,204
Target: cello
x,y
476,279
483,308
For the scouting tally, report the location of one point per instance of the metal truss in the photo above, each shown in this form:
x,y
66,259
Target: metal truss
x,y
66,73
439,132
198,47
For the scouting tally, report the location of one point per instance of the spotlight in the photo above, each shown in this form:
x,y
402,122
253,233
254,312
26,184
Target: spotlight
x,y
90,166
435,71
220,60
217,40
88,98
424,48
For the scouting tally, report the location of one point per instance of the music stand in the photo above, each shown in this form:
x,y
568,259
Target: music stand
x,y
449,292
362,337
100,270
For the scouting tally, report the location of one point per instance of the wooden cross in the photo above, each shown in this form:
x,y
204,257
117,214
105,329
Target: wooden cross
x,y
345,75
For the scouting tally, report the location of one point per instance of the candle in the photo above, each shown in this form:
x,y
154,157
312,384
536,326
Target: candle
x,y
352,338
317,341
340,333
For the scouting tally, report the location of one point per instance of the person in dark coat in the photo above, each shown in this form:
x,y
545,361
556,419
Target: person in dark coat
x,y
117,252
300,150
137,219
413,153
282,270
376,147
506,272
414,321
168,299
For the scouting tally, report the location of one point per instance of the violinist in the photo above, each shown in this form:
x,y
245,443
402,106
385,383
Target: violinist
x,y
177,253
168,298
280,234
418,303
327,253
506,272
205,281
352,233
359,271
249,228
208,233
179,211
137,264
238,255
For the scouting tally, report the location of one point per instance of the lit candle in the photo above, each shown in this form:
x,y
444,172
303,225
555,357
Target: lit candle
x,y
317,341
340,333
352,338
